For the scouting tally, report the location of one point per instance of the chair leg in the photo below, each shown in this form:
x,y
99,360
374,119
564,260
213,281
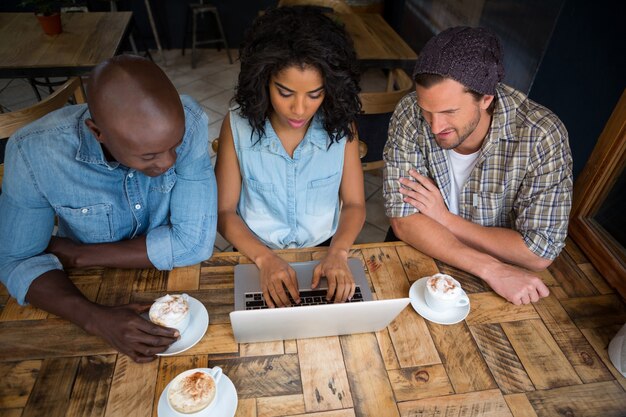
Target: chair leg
x,y
35,89
49,85
133,46
186,31
219,26
194,26
154,31
131,39
133,43
390,81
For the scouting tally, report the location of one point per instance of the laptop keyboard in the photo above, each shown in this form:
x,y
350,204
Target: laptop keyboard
x,y
255,300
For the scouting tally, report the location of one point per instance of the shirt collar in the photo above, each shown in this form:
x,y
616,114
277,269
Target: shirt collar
x,y
316,133
89,149
502,121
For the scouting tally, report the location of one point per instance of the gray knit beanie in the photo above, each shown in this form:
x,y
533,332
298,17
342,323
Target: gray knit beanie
x,y
471,56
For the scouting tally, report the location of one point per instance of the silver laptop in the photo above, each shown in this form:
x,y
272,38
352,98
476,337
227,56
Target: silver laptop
x,y
252,321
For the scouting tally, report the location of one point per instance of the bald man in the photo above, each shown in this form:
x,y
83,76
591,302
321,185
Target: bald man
x,y
129,178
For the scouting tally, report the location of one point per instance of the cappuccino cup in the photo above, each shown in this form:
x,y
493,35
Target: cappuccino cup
x,y
442,292
194,391
171,311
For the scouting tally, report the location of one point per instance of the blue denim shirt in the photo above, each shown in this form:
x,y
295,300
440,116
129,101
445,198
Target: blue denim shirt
x,y
56,167
288,202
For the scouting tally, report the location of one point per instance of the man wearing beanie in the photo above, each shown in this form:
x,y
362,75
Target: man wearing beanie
x,y
477,175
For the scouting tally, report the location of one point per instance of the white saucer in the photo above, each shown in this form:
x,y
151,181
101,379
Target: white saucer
x,y
226,401
451,316
198,324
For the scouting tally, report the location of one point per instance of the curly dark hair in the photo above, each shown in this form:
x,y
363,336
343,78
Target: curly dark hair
x,y
300,36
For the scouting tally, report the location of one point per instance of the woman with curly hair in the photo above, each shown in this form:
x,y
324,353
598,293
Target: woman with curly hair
x,y
288,168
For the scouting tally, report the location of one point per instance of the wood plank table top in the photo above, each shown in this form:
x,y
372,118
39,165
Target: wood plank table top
x,y
376,44
546,359
87,39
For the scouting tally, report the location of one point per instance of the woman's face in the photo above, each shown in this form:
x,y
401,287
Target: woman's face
x,y
296,94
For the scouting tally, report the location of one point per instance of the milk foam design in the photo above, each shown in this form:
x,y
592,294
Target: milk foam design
x,y
171,311
444,286
191,392
443,292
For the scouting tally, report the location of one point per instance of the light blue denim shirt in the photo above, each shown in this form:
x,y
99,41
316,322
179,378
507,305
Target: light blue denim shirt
x,y
288,202
55,167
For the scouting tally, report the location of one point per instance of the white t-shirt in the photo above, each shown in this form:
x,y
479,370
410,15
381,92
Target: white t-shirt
x,y
460,167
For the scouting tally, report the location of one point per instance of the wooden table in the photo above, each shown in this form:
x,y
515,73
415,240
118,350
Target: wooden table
x,y
546,359
87,39
377,45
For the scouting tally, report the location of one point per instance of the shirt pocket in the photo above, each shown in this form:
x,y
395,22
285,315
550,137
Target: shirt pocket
x,y
89,224
261,197
322,195
489,208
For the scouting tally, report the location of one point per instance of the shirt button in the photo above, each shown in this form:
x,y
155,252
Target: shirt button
x,y
131,175
137,206
84,211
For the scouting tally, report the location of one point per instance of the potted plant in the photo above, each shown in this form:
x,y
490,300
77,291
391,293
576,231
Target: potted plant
x,y
48,13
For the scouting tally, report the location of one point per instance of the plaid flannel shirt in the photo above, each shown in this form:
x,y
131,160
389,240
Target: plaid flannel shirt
x,y
522,178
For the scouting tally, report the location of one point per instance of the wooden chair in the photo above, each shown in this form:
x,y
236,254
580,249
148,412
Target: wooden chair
x,y
377,108
12,121
338,6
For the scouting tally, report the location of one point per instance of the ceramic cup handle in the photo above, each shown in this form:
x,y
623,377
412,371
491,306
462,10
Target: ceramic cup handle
x,y
216,373
462,301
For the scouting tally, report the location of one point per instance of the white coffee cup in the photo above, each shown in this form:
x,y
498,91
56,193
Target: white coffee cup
x,y
442,292
176,387
171,311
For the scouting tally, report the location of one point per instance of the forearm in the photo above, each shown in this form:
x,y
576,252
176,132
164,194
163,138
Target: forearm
x,y
427,235
433,239
55,293
131,253
351,222
504,244
233,228
120,326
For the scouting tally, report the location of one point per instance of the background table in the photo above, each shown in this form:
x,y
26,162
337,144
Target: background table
x,y
377,45
546,359
87,39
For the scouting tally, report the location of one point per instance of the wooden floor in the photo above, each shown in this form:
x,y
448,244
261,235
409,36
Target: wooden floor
x,y
546,359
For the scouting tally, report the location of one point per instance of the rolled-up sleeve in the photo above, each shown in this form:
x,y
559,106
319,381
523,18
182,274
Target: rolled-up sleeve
x,y
401,154
188,238
545,198
26,223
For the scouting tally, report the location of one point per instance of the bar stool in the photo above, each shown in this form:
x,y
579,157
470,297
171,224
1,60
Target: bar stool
x,y
199,9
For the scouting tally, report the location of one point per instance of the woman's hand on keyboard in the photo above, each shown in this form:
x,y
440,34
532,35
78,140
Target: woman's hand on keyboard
x,y
276,275
340,280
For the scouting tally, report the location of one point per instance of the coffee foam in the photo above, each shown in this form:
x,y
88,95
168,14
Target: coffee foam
x,y
169,310
443,286
192,392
